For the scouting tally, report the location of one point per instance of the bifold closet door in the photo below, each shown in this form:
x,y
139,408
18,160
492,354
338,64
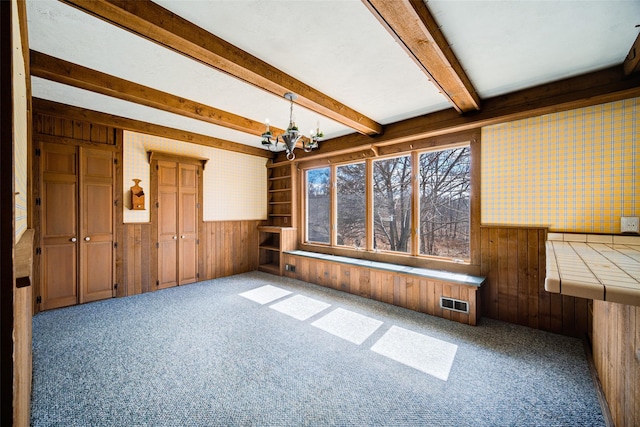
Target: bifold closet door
x,y
177,223
96,219
77,244
188,224
167,224
59,225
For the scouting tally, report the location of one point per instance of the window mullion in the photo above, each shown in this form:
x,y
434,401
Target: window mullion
x,y
369,204
415,204
333,207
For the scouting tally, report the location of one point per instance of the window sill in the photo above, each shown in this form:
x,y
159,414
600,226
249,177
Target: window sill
x,y
395,258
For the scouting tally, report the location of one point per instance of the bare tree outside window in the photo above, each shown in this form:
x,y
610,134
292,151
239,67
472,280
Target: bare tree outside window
x,y
445,183
318,205
351,187
392,204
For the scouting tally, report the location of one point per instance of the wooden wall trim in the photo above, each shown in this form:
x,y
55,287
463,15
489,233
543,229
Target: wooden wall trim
x,y
7,223
56,109
73,131
23,330
594,88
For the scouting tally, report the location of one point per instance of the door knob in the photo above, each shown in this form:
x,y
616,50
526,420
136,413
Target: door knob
x,y
86,239
182,237
175,237
73,239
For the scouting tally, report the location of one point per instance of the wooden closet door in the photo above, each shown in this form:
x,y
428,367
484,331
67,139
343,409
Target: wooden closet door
x,y
59,222
96,219
167,224
188,224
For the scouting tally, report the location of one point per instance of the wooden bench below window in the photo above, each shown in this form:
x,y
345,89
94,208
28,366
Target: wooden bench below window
x,y
439,293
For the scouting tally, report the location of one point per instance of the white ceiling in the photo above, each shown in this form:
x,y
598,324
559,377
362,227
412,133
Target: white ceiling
x,y
337,47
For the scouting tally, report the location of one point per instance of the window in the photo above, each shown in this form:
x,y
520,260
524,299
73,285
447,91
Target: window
x,y
351,205
417,203
318,205
444,186
392,204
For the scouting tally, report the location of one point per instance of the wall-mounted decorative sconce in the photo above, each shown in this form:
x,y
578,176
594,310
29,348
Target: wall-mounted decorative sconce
x,y
137,196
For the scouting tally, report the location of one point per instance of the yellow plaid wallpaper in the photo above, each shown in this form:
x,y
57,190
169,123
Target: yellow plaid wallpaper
x,y
234,184
576,170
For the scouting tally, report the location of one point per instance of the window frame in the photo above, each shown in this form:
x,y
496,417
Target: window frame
x,y
304,207
415,148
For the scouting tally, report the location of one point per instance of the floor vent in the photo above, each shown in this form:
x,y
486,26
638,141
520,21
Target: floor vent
x,y
454,304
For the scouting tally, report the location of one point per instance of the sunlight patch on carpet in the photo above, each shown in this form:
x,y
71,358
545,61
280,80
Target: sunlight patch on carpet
x,y
348,325
429,355
265,294
300,307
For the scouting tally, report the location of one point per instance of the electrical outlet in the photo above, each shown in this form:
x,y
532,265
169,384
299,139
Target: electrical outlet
x,y
629,224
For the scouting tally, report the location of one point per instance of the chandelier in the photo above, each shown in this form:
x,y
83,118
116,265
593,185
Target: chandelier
x,y
292,135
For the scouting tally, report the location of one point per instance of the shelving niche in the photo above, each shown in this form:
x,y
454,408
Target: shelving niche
x,y
273,241
281,191
280,235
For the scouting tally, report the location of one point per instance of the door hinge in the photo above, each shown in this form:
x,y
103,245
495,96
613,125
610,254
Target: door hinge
x,y
115,286
157,167
197,205
38,201
157,245
38,251
157,282
115,244
197,275
37,152
157,205
197,241
38,300
115,161
115,203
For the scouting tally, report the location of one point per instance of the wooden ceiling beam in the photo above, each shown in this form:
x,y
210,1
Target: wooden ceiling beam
x,y
631,63
594,88
415,29
57,109
149,20
71,74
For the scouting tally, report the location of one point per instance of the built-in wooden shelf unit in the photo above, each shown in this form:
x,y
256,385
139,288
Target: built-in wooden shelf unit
x,y
281,193
273,242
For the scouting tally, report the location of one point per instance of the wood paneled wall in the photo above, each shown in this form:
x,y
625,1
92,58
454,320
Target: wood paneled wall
x,y
513,260
616,354
22,329
406,291
226,248
73,129
135,260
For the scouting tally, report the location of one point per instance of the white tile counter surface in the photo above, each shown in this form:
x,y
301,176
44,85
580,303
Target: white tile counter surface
x,y
601,267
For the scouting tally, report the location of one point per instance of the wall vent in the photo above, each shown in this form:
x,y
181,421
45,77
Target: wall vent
x,y
454,304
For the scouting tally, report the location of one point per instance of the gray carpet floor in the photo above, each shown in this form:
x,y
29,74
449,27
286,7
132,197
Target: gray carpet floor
x,y
203,355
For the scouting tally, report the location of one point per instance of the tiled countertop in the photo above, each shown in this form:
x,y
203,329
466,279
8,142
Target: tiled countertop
x,y
600,267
